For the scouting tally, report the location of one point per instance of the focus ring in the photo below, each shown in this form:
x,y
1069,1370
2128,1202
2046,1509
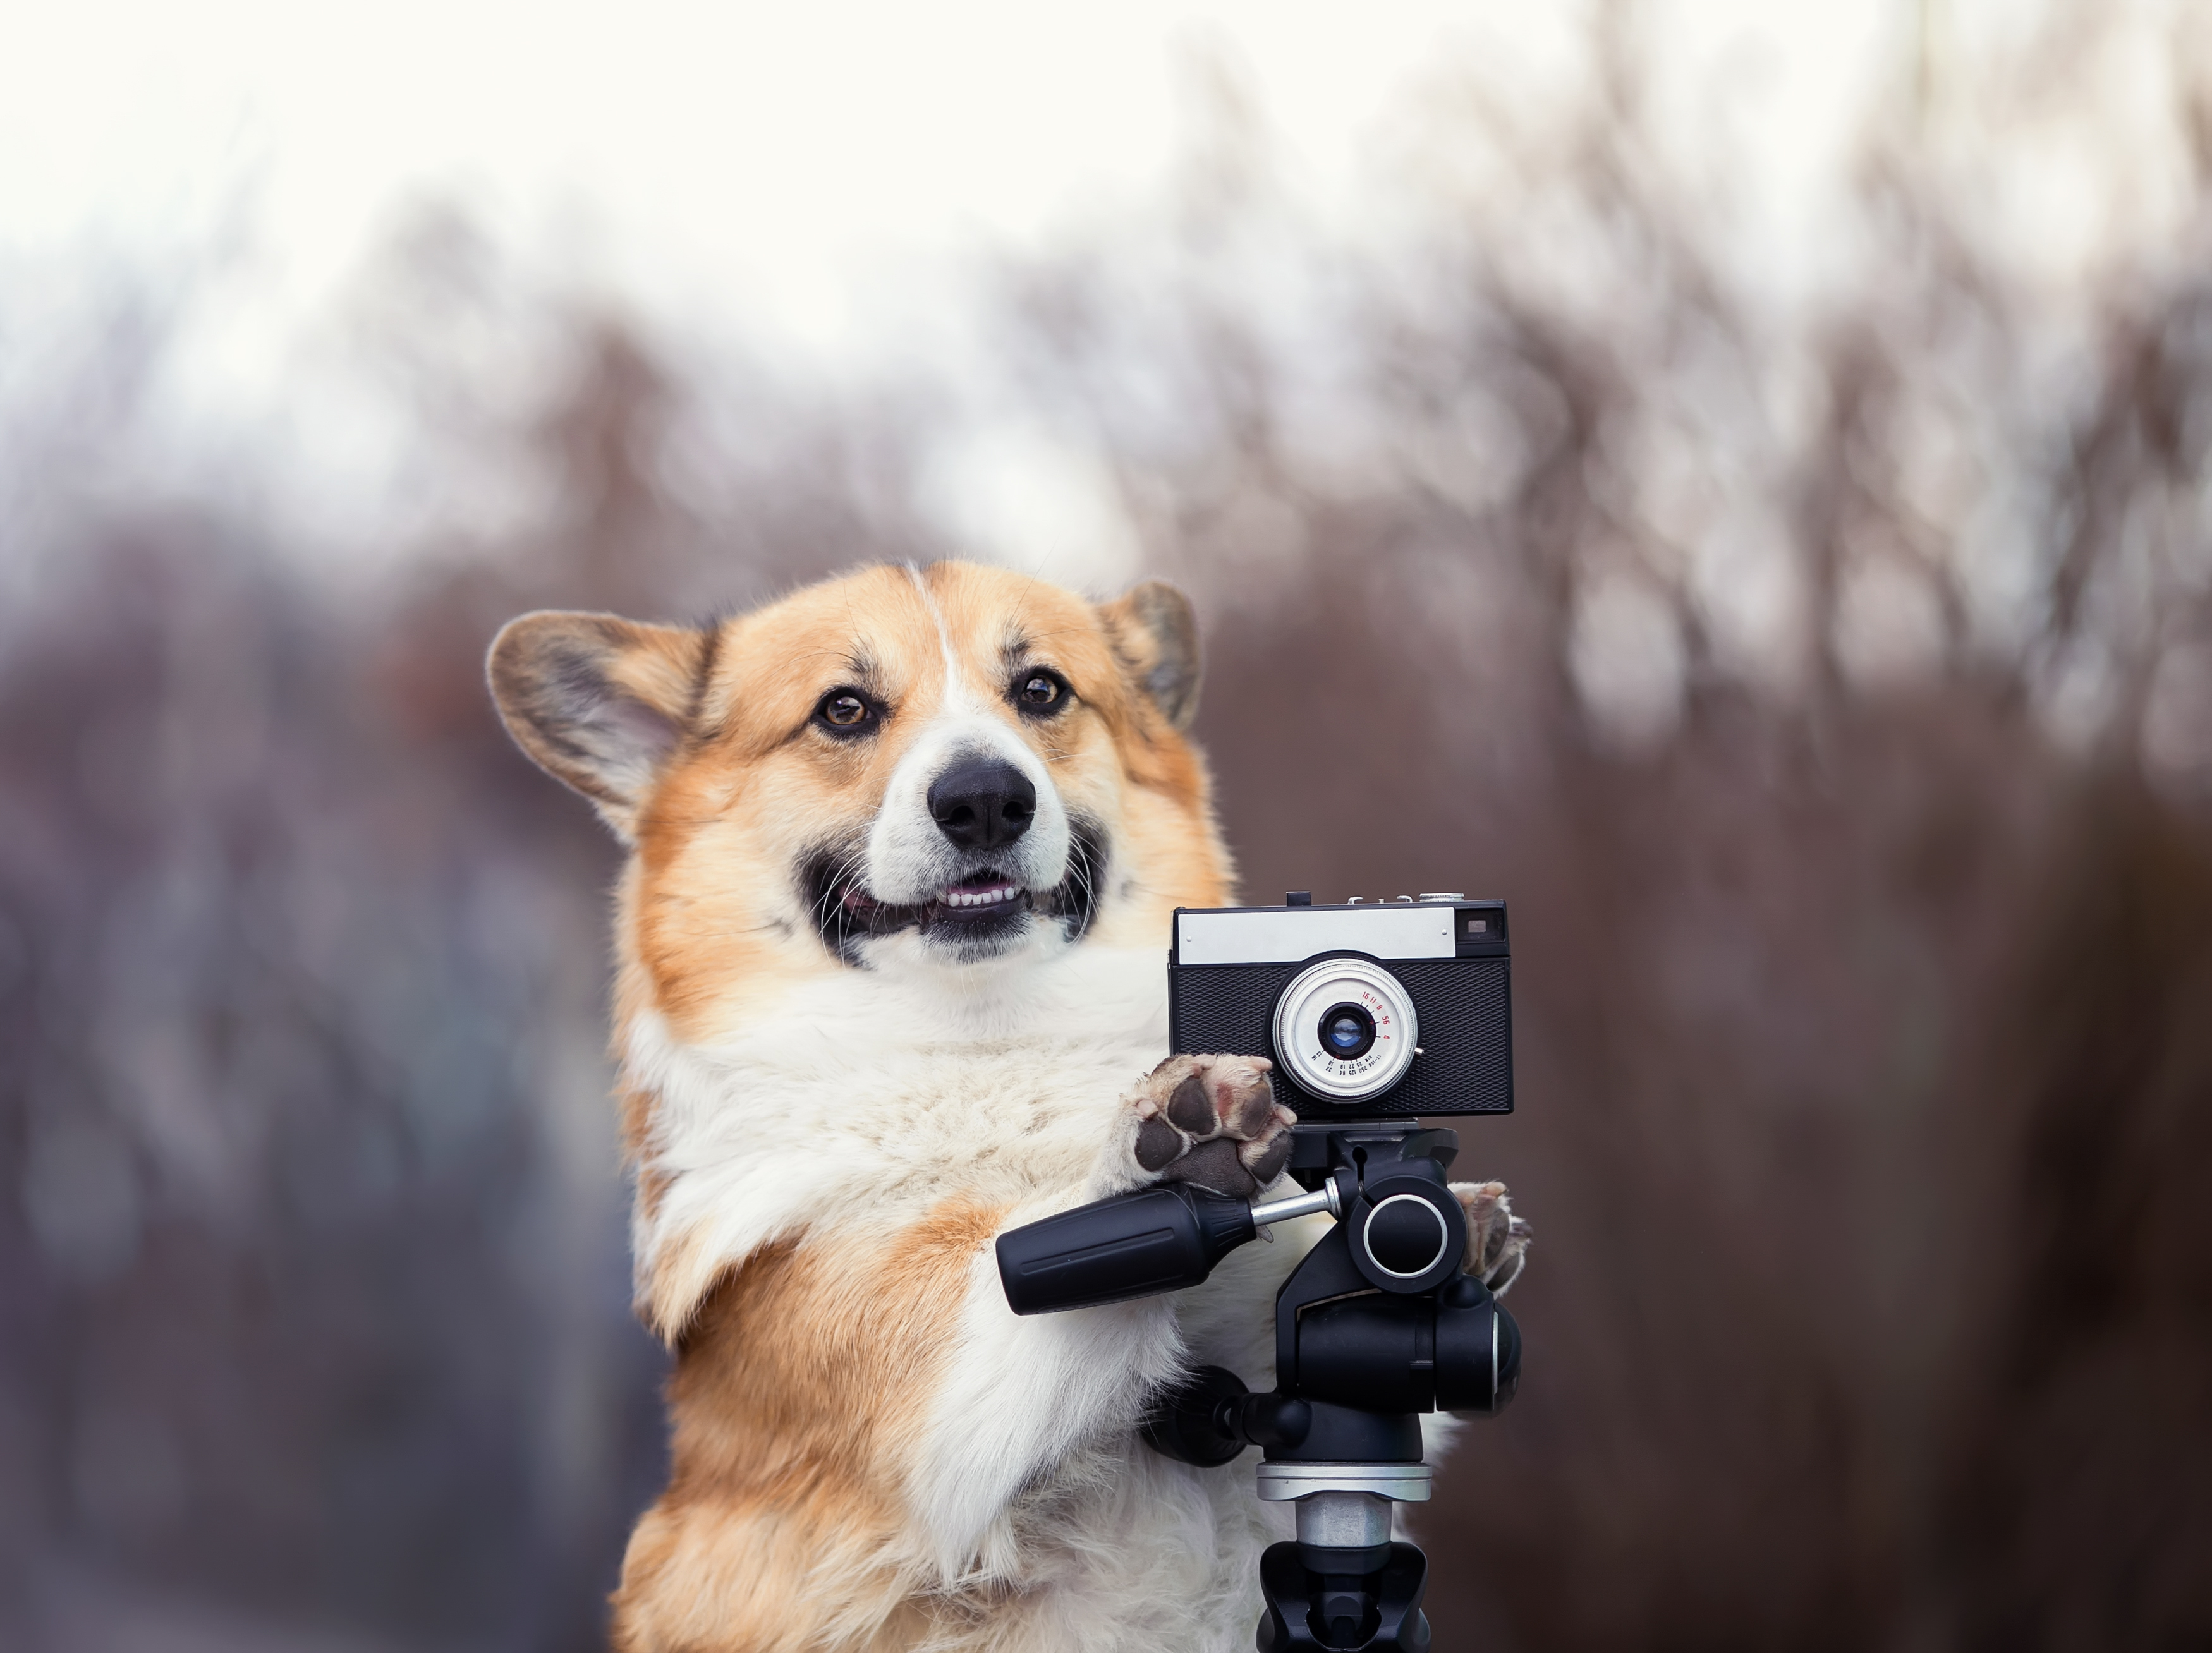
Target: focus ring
x,y
1323,989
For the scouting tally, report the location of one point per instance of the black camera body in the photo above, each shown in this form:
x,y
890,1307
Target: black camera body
x,y
1369,1010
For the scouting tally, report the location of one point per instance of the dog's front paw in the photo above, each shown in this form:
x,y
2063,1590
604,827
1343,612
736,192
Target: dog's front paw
x,y
1212,1121
1496,1240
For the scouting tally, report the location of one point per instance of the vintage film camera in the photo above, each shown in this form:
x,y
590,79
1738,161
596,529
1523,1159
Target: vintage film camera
x,y
1372,1011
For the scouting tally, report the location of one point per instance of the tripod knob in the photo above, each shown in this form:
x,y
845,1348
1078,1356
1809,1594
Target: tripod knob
x,y
1407,1230
1406,1235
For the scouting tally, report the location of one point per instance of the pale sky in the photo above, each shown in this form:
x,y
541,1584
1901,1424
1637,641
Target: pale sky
x,y
812,178
774,155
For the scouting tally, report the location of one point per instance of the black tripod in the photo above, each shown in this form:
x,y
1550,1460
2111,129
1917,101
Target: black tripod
x,y
1377,1325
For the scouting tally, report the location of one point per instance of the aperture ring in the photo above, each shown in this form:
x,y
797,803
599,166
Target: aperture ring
x,y
1324,990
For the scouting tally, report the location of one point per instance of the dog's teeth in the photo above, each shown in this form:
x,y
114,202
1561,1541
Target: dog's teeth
x,y
979,897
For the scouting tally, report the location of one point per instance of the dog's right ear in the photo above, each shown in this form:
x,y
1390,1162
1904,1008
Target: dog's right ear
x,y
596,700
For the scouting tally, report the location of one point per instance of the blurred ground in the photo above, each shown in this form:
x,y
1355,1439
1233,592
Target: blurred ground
x,y
1829,686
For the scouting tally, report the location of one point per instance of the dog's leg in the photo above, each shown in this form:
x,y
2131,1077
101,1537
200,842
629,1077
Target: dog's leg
x,y
1022,1395
1496,1240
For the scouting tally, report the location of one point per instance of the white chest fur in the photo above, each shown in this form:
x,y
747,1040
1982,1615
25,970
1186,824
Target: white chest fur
x,y
869,1101
867,1098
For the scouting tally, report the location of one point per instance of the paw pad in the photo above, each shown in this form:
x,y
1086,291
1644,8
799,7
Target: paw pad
x,y
1212,1121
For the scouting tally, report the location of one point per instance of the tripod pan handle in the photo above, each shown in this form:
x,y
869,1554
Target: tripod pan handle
x,y
1133,1245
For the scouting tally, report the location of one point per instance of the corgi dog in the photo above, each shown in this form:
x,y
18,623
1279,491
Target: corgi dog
x,y
903,851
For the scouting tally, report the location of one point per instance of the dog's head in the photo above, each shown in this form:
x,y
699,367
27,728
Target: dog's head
x,y
950,768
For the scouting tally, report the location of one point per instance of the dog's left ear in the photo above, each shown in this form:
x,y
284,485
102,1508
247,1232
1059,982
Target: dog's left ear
x,y
1156,634
597,702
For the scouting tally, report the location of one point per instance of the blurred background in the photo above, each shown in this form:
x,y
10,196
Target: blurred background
x,y
1734,480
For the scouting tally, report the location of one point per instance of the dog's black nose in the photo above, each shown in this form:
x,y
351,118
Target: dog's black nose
x,y
980,803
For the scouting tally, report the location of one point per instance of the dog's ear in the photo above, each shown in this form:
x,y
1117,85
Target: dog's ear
x,y
1156,634
596,700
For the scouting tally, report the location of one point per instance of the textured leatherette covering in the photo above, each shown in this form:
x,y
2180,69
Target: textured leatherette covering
x,y
1465,1032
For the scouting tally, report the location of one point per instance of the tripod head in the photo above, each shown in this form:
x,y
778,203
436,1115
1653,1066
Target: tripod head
x,y
1377,1325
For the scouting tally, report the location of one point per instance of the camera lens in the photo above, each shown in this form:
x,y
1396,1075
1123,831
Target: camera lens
x,y
1343,1029
1346,1031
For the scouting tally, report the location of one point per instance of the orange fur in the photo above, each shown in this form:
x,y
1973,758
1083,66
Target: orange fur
x,y
792,1389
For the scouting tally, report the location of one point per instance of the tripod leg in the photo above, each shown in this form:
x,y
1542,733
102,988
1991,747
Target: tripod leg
x,y
1376,1610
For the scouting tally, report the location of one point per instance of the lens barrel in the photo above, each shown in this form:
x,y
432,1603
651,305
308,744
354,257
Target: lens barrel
x,y
1344,1029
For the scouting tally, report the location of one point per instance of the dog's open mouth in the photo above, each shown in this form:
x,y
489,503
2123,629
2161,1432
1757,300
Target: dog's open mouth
x,y
984,906
982,896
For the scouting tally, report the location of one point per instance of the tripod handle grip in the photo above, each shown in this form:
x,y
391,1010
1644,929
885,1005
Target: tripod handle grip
x,y
1133,1245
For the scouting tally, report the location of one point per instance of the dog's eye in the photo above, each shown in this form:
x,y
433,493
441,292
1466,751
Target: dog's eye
x,y
845,712
1041,691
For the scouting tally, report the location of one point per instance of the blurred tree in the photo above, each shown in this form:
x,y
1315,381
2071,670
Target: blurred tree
x,y
1827,682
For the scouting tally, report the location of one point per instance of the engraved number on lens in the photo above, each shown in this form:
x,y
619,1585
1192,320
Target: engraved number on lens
x,y
1345,1028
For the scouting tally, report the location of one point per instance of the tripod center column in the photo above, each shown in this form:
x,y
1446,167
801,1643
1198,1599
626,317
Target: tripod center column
x,y
1343,1520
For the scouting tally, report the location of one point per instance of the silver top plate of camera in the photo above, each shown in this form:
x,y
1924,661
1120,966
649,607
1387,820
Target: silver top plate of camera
x,y
1282,935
